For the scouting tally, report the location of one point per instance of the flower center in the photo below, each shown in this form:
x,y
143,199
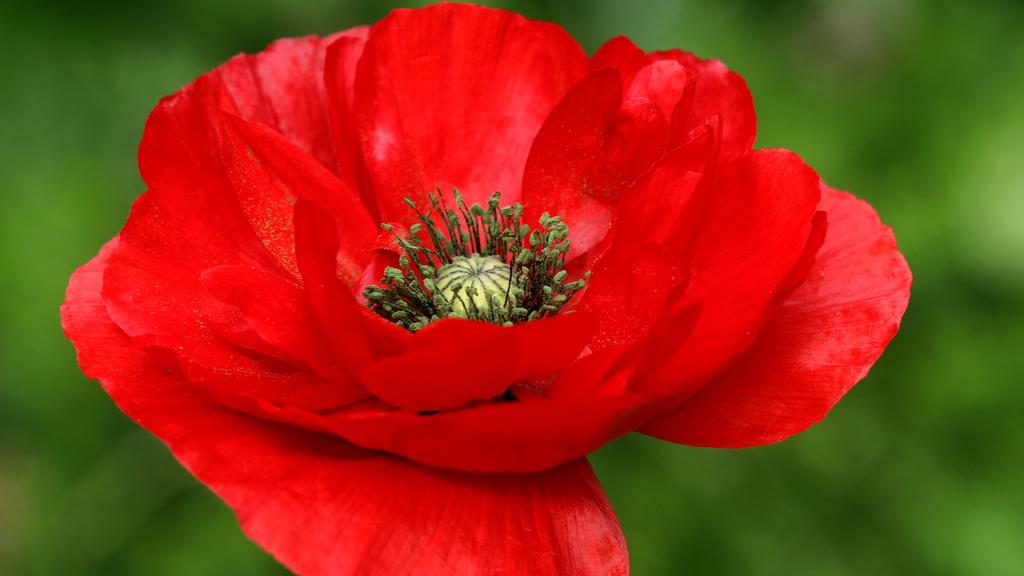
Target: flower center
x,y
478,282
475,262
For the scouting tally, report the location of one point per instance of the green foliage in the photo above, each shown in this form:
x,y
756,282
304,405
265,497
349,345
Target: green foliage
x,y
915,106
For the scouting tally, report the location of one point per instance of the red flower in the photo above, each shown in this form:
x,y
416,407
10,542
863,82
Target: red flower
x,y
421,398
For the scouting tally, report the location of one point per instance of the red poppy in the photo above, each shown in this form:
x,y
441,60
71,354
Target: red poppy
x,y
419,397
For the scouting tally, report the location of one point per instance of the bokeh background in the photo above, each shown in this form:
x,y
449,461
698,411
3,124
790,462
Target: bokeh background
x,y
917,106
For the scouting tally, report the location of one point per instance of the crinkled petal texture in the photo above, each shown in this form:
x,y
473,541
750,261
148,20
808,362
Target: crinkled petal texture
x,y
818,343
324,506
733,298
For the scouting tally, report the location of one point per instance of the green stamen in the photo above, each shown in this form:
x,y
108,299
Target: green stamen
x,y
475,262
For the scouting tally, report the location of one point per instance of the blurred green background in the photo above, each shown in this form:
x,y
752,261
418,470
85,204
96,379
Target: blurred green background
x,y
917,106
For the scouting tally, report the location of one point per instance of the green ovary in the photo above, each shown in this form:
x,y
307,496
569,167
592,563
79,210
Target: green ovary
x,y
475,285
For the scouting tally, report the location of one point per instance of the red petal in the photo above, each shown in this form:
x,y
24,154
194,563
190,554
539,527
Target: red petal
x,y
192,220
814,348
283,87
667,84
340,76
590,148
634,142
620,53
720,92
152,284
180,158
527,435
188,222
452,95
798,273
298,173
673,80
522,436
449,363
658,206
453,362
230,374
549,345
276,309
750,230
632,281
566,154
628,292
323,506
346,323
181,151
